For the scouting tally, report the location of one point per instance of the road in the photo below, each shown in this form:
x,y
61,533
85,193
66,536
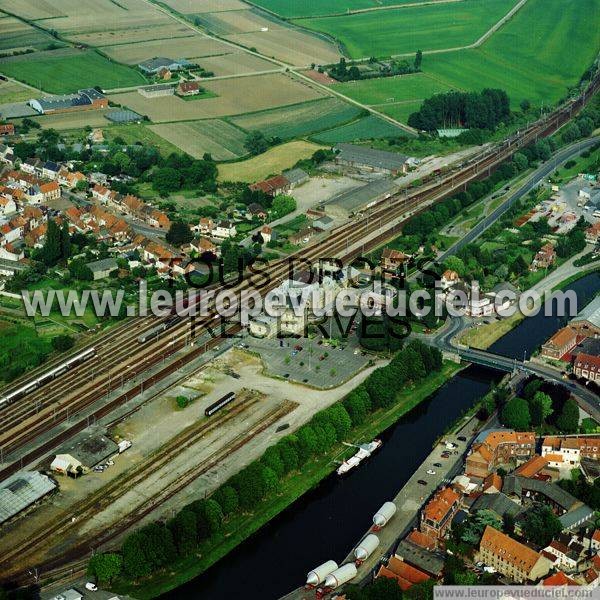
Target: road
x,y
536,177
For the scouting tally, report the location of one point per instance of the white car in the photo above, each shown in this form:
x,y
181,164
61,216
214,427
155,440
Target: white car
x,y
430,472
91,586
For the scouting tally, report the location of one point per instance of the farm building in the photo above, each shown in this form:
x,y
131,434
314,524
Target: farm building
x,y
372,160
21,490
188,88
273,186
101,269
296,177
7,129
157,91
83,100
154,66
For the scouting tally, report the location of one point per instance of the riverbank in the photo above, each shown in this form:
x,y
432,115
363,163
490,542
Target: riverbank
x,y
243,526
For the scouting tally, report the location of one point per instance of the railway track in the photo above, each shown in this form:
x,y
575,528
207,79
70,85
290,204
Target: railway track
x,y
67,397
11,563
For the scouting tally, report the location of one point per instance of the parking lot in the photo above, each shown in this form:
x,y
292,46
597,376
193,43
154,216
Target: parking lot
x,y
316,361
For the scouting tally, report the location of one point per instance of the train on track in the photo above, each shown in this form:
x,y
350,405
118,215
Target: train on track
x,y
69,364
153,333
219,404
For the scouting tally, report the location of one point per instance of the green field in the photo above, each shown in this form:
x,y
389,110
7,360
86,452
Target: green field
x,y
61,72
300,119
133,133
318,8
542,51
364,129
402,111
387,90
406,30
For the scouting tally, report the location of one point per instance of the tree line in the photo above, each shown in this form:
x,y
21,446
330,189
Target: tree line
x,y
481,110
158,544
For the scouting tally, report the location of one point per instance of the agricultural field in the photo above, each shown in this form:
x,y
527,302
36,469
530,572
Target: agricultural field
x,y
72,120
406,30
370,127
235,96
389,90
317,8
400,111
234,64
133,35
222,140
537,55
179,47
203,6
299,120
14,92
15,35
273,161
271,37
66,71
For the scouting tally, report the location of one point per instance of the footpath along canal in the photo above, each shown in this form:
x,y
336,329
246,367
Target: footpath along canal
x,y
327,522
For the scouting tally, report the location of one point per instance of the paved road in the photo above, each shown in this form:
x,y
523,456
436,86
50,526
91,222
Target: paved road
x,y
536,177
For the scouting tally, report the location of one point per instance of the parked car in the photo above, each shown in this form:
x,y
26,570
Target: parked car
x,y
91,586
462,438
422,482
437,464
430,472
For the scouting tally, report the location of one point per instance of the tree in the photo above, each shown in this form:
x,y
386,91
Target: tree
x,y
166,181
340,419
135,563
105,567
184,530
209,517
525,105
381,388
182,401
159,545
61,343
568,420
358,405
65,241
256,143
249,485
418,60
516,414
272,459
282,205
51,252
79,270
179,233
520,161
540,525
540,408
289,455
227,498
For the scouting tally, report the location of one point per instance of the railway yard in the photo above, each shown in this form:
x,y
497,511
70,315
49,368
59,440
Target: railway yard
x,y
156,474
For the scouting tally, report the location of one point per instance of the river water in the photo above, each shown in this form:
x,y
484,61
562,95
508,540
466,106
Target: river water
x,y
328,521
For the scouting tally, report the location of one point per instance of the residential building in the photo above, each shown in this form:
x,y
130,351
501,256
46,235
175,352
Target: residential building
x,y
436,516
256,210
224,229
267,233
560,343
323,223
7,155
7,129
592,233
567,558
33,166
449,279
154,66
368,159
296,177
535,466
393,259
7,206
205,226
303,236
188,88
570,450
50,191
558,579
50,170
406,575
544,257
495,448
587,366
511,558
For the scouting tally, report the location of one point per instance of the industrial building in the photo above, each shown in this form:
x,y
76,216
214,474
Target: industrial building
x,y
83,453
359,198
87,99
101,269
21,490
153,66
368,159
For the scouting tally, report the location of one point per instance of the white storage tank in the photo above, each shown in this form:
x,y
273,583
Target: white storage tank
x,y
317,576
340,576
383,515
366,547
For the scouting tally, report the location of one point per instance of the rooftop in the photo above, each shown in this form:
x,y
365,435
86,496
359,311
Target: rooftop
x,y
90,448
429,562
590,313
520,556
358,198
499,503
367,156
21,490
102,265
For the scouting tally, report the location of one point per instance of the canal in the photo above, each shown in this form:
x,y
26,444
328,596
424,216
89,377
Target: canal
x,y
327,522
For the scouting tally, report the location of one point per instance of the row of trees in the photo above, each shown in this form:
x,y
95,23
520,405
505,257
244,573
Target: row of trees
x,y
342,72
481,110
159,544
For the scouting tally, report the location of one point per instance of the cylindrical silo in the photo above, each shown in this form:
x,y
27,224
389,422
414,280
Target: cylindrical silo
x,y
340,576
317,576
383,515
366,547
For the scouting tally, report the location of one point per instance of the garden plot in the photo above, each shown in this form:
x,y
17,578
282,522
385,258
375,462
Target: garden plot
x,y
222,140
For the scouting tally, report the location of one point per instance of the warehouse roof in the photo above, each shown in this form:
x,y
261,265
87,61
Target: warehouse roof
x,y
123,116
361,155
359,198
90,448
499,503
590,313
21,490
576,517
106,264
552,491
422,559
